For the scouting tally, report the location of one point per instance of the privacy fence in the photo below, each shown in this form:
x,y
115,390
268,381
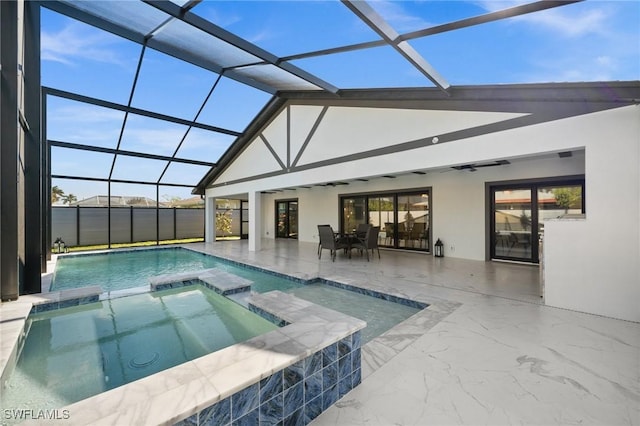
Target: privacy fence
x,y
84,226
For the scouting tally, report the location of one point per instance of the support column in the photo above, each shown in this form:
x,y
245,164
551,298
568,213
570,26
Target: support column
x,y
210,220
9,276
34,264
255,221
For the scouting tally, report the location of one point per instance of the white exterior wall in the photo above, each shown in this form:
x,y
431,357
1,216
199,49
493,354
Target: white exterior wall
x,y
593,265
577,275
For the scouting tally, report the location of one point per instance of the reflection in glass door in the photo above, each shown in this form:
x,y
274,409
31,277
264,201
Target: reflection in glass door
x,y
512,224
413,221
353,213
382,213
556,201
287,219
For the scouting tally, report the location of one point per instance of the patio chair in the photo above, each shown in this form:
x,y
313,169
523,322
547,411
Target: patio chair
x,y
329,241
369,242
319,244
361,230
416,234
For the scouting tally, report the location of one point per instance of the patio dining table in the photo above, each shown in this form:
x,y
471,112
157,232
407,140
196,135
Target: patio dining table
x,y
349,238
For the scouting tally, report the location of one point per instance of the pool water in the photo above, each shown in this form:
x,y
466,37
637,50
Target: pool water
x,y
379,314
133,268
73,353
127,269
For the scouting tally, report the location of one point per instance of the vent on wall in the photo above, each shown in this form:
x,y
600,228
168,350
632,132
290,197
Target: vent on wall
x,y
474,167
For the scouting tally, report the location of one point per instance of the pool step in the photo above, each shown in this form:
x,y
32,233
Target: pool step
x,y
218,280
241,299
225,283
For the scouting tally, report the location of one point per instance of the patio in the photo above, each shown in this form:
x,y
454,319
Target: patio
x,y
485,352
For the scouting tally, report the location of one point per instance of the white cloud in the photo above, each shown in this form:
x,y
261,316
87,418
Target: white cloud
x,y
261,36
224,20
563,20
85,114
163,141
575,68
75,42
84,124
400,20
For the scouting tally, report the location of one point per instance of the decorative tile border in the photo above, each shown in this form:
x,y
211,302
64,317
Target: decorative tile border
x,y
52,306
268,315
374,293
46,302
116,251
295,395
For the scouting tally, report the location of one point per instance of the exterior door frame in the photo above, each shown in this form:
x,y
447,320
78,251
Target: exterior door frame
x,y
288,201
533,185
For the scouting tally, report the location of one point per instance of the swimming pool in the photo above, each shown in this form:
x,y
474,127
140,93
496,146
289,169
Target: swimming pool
x,y
381,315
133,268
73,353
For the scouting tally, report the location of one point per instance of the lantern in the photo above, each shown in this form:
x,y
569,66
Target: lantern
x,y
439,248
59,245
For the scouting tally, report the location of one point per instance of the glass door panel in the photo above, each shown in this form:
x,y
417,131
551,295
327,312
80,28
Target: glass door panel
x,y
512,224
557,201
281,214
413,221
382,214
353,213
293,219
244,220
287,219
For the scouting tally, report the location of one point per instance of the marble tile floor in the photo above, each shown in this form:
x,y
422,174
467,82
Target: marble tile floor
x,y
487,351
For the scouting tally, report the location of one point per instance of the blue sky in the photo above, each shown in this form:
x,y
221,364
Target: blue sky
x,y
588,41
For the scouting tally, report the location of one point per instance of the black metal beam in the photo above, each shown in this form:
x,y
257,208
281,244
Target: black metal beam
x,y
137,182
114,151
99,102
334,50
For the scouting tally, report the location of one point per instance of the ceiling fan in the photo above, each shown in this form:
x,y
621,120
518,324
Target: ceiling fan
x,y
474,167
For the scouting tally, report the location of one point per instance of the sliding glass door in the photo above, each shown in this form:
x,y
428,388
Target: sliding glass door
x,y
518,213
403,217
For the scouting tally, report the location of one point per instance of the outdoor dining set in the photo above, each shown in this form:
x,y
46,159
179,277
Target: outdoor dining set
x,y
363,239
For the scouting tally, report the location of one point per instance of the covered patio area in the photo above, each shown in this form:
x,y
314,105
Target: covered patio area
x,y
486,351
